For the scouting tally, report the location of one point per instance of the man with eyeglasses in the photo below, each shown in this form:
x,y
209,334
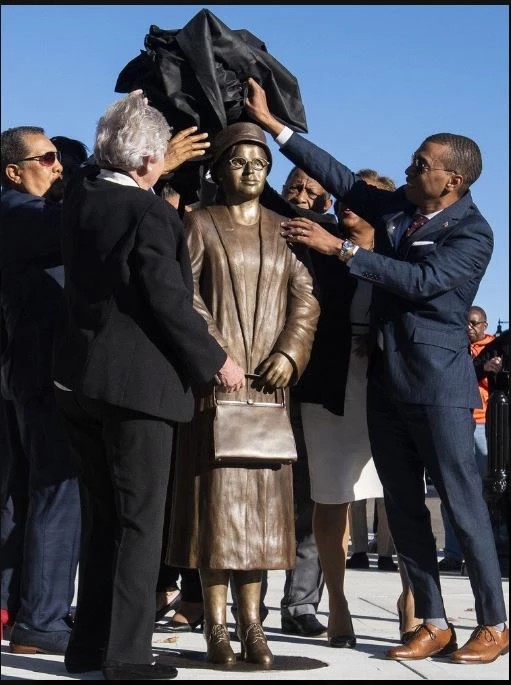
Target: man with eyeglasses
x,y
479,340
40,499
432,247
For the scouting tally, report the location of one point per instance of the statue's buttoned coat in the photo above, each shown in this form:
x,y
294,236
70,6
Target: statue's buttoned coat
x,y
231,517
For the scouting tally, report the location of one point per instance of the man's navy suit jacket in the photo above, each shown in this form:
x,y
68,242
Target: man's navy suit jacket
x,y
423,287
31,301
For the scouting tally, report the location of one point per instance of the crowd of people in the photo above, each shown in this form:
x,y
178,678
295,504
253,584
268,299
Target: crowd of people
x,y
127,312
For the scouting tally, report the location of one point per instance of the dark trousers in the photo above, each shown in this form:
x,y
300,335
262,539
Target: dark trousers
x,y
124,469
405,440
304,584
40,517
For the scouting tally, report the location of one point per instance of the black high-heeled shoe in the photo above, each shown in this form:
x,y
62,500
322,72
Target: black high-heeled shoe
x,y
163,610
347,641
189,627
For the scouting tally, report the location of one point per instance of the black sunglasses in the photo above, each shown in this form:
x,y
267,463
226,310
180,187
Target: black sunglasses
x,y
47,159
421,167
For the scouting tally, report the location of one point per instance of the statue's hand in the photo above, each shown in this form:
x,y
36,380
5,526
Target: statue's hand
x,y
274,372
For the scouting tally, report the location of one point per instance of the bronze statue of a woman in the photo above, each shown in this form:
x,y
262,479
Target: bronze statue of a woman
x,y
257,297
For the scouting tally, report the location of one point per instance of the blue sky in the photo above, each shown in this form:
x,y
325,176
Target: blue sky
x,y
374,80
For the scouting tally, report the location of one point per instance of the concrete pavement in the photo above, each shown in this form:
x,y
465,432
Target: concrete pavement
x,y
372,598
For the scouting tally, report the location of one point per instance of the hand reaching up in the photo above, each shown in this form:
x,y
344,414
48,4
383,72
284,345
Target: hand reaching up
x,y
185,145
256,106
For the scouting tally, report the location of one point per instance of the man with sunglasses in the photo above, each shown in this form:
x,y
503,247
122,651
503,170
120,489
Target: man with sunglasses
x,y
432,247
40,499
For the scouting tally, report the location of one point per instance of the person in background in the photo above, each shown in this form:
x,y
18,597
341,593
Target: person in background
x,y
384,545
131,346
432,247
73,153
41,506
479,339
222,514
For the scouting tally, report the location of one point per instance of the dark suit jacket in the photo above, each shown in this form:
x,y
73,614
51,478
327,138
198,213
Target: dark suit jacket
x,y
324,380
31,301
133,338
422,292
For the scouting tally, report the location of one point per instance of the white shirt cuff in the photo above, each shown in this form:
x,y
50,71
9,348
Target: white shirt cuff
x,y
284,136
355,250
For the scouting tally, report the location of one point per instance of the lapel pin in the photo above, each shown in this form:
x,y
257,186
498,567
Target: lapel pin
x,y
445,225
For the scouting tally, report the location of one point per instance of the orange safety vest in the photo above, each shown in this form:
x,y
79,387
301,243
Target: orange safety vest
x,y
475,349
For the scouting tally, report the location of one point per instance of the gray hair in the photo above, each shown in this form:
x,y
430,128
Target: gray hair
x,y
129,130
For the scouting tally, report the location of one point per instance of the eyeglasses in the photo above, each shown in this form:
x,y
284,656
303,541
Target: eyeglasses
x,y
473,324
47,159
258,164
421,167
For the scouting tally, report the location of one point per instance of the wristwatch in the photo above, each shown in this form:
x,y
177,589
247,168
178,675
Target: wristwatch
x,y
346,251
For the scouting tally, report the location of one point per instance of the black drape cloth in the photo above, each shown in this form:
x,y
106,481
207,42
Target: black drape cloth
x,y
197,75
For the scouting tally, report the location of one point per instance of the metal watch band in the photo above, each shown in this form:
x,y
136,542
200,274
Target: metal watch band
x,y
346,251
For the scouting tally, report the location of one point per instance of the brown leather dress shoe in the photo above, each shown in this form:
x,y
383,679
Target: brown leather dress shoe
x,y
427,640
484,646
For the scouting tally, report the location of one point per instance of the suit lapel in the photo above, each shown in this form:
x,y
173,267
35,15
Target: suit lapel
x,y
391,223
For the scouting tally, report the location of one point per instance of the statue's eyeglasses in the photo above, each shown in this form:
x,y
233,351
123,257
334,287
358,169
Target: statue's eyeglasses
x,y
258,164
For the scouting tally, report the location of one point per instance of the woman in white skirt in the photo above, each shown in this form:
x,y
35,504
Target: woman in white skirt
x,y
333,406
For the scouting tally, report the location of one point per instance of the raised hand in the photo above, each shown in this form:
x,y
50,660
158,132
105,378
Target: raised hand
x,y
257,109
185,145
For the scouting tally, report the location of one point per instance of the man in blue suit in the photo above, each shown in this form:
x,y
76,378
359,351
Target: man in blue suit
x,y
432,247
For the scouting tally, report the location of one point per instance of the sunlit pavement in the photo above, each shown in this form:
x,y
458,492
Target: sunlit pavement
x,y
372,598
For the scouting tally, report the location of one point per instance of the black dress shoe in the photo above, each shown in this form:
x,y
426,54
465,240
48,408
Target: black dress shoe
x,y
358,560
450,564
306,624
386,564
28,640
119,670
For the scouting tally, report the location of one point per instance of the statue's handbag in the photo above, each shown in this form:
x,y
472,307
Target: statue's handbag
x,y
247,432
